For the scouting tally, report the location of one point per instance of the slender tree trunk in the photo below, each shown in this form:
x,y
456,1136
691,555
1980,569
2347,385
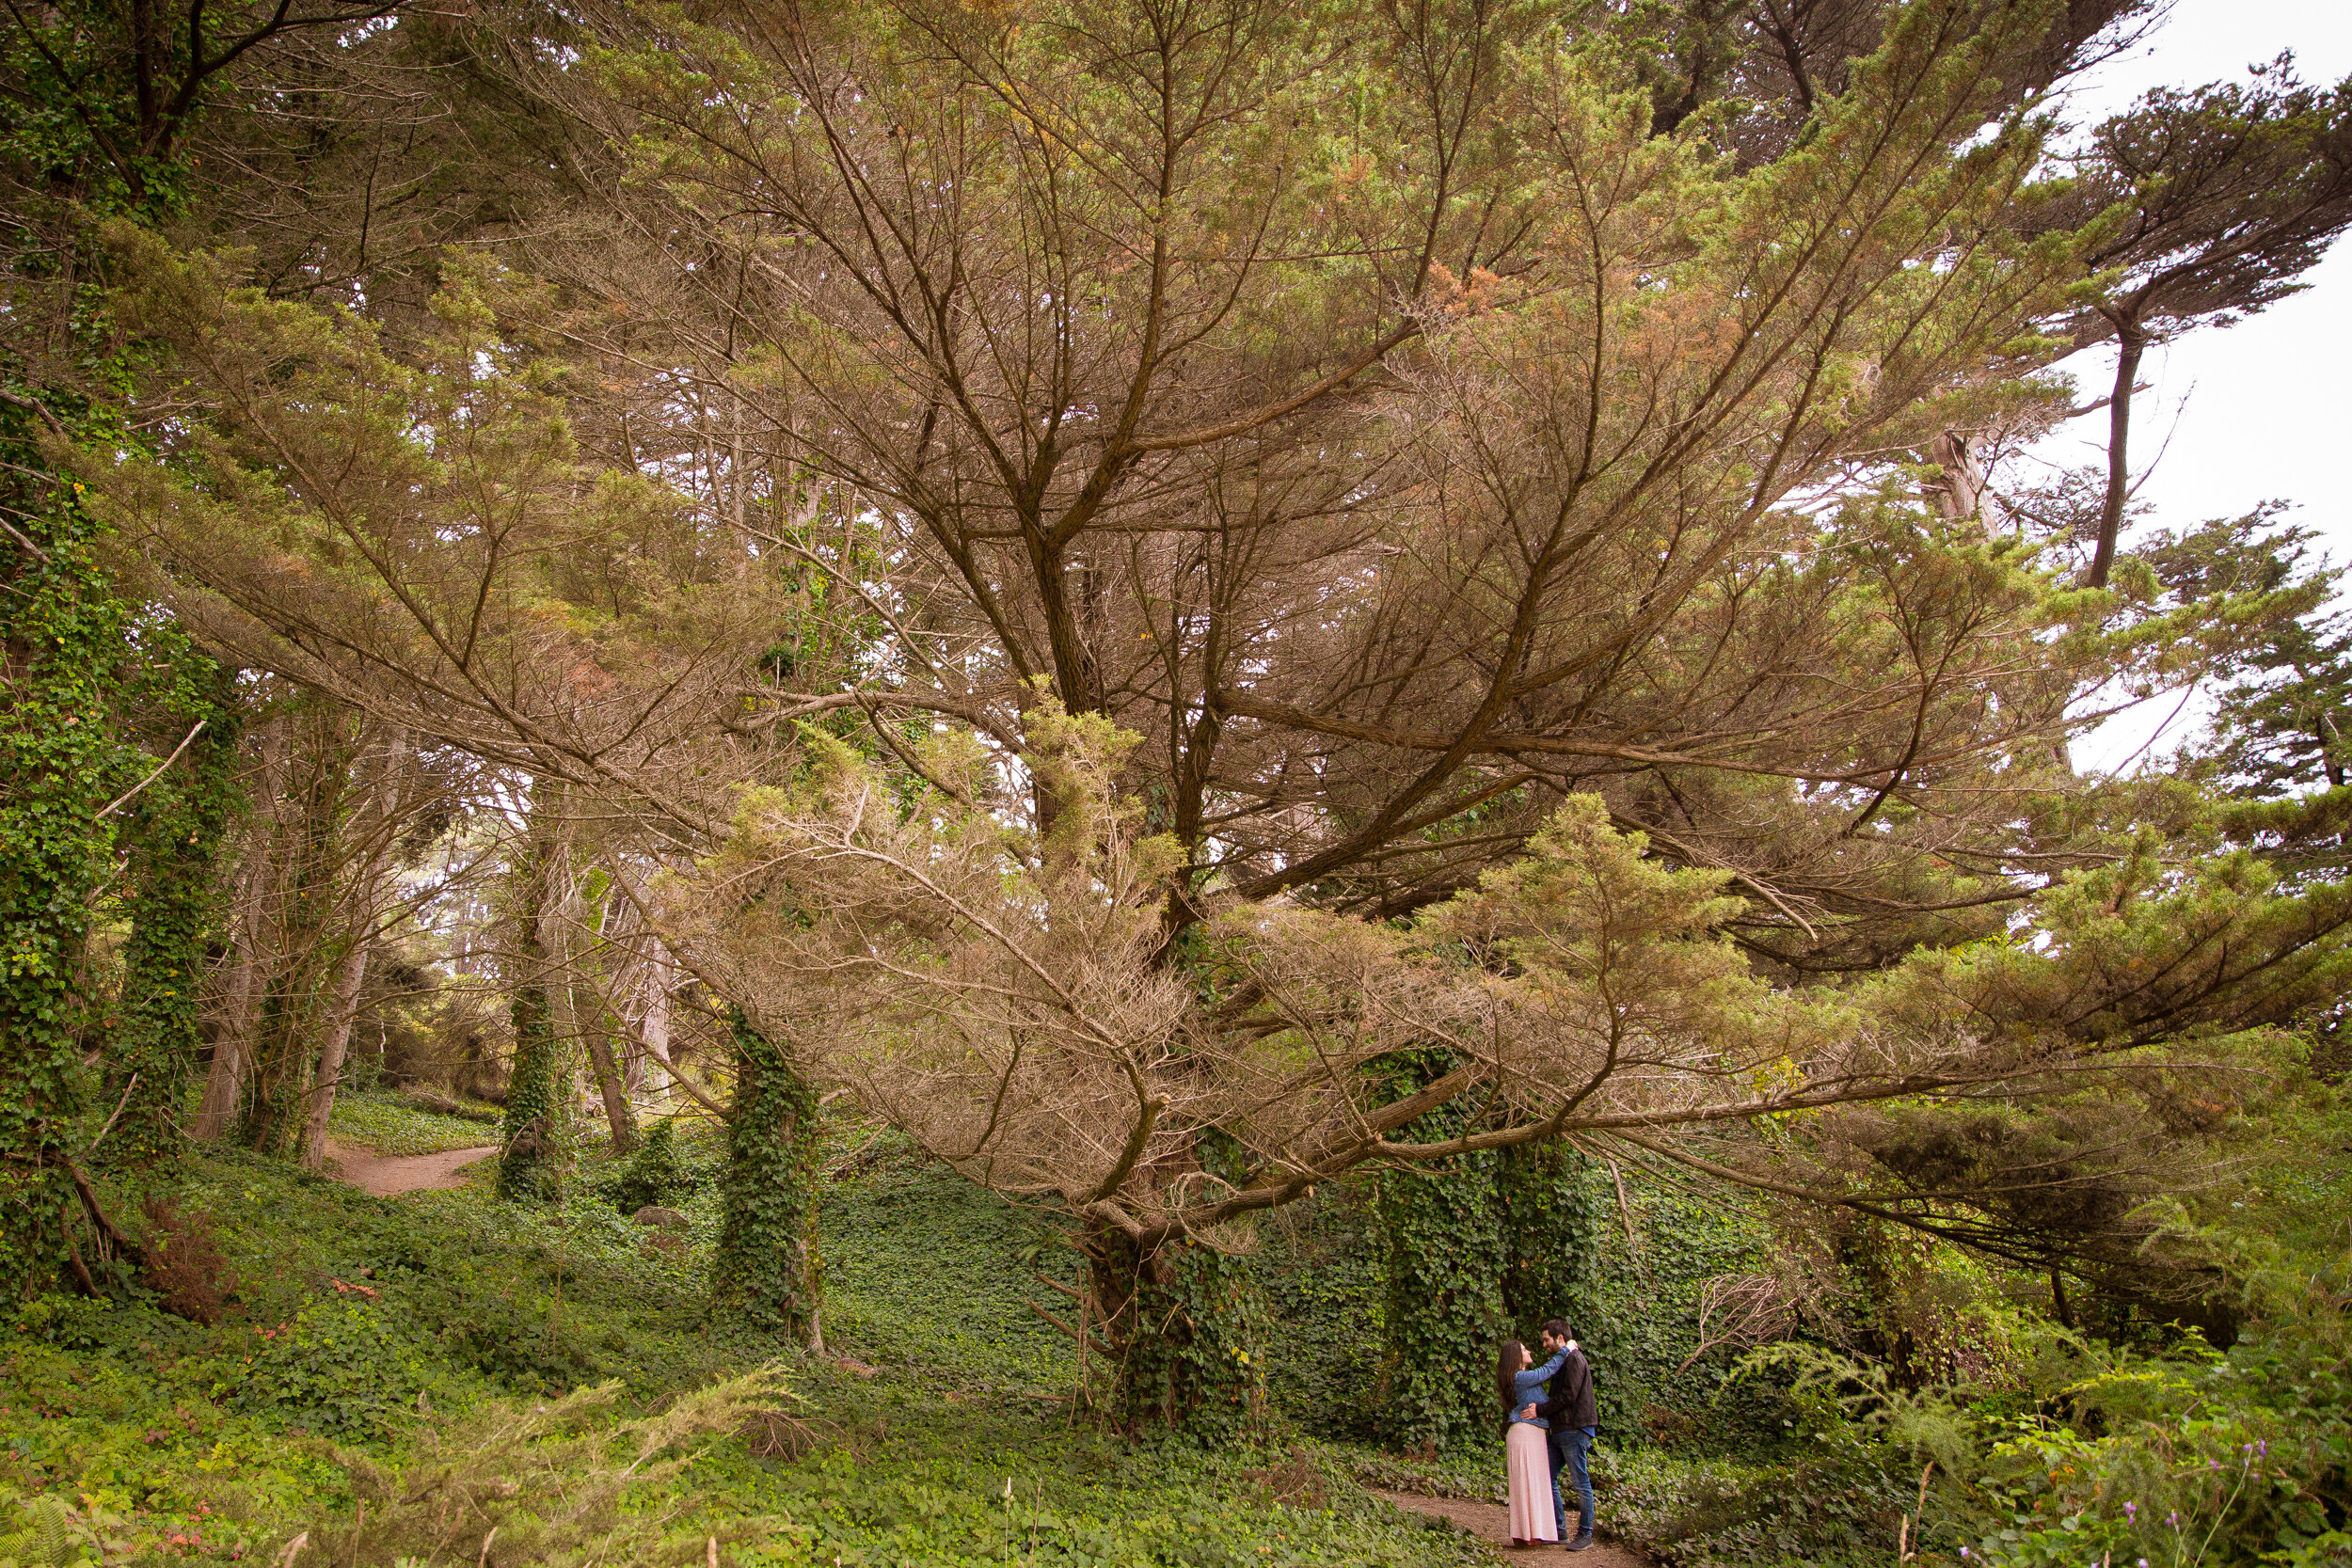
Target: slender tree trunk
x,y
374,830
249,927
2130,343
610,1087
654,1032
342,1007
280,1069
566,1014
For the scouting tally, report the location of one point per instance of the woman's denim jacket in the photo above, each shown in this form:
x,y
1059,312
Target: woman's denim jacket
x,y
1527,1388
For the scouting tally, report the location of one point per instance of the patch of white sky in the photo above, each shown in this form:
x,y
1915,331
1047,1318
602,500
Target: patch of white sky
x,y
2238,415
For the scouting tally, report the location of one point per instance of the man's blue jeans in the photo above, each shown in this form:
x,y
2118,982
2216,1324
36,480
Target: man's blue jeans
x,y
1569,1447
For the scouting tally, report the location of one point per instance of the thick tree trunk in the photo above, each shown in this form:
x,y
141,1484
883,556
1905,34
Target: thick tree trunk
x,y
1448,1264
1180,1330
2130,343
1962,486
529,1163
179,828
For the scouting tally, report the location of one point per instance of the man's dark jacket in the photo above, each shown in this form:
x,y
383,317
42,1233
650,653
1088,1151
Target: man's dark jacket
x,y
1571,1403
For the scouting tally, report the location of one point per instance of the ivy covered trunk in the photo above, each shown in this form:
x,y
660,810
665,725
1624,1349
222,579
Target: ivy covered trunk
x,y
767,1271
1447,1254
1180,1333
60,634
1484,1248
177,837
1545,1198
538,1099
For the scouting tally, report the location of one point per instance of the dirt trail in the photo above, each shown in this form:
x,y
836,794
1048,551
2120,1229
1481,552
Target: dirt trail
x,y
1490,1523
389,1175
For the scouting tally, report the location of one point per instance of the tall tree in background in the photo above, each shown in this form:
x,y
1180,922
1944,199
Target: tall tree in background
x,y
2278,726
2226,195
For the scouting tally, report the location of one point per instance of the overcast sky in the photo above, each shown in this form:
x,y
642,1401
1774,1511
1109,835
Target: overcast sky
x,y
2256,412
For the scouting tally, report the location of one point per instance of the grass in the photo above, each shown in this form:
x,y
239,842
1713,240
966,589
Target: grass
x,y
371,1340
390,1125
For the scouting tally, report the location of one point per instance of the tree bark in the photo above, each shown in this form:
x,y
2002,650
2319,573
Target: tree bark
x,y
1180,1325
232,1047
342,1007
2130,343
530,1161
618,1114
654,1030
374,830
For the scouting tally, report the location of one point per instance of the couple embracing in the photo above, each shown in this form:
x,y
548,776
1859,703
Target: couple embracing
x,y
1548,1430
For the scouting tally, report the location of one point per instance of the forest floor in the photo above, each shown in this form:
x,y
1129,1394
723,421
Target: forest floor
x,y
389,1175
362,1339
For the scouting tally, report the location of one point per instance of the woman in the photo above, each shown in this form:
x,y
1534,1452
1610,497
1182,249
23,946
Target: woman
x,y
1519,1383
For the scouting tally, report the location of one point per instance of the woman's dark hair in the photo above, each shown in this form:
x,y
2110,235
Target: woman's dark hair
x,y
1509,1360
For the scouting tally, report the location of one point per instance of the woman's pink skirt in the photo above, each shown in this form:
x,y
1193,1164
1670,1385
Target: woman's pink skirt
x,y
1531,1484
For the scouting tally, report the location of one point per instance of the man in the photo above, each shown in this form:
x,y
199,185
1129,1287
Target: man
x,y
1574,1416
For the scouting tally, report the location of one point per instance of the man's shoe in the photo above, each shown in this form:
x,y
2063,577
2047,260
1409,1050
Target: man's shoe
x,y
1583,1542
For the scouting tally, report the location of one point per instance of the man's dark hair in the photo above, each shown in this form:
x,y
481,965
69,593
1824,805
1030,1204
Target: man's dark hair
x,y
1557,1329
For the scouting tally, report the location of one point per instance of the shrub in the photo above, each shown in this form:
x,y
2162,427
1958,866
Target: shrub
x,y
656,1174
184,1268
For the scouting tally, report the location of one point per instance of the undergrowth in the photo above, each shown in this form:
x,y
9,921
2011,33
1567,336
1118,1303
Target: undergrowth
x,y
394,1379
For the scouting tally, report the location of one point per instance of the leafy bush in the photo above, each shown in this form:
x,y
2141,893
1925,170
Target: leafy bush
x,y
657,1173
2190,1456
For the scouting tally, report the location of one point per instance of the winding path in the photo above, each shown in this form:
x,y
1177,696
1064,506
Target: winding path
x,y
389,1175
